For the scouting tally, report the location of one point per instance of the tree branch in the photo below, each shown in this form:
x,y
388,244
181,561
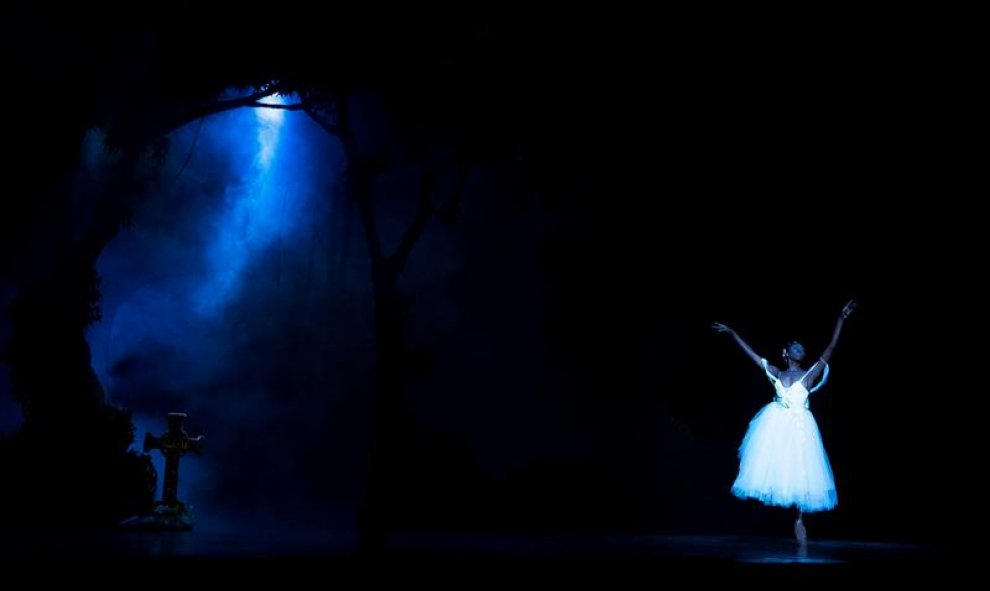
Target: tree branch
x,y
449,211
423,211
221,106
358,178
293,107
360,192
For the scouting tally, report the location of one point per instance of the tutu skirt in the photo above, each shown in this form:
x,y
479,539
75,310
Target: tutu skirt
x,y
782,461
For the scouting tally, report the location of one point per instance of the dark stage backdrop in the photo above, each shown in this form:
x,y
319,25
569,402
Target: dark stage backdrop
x,y
566,377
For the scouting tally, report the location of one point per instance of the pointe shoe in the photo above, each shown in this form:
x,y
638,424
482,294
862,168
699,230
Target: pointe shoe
x,y
800,533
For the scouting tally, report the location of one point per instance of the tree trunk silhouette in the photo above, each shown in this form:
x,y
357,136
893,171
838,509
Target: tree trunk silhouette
x,y
374,514
390,382
392,366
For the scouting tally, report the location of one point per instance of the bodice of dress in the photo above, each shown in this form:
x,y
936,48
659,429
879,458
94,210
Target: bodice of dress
x,y
794,396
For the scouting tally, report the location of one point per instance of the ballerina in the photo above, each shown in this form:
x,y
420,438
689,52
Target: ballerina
x,y
782,459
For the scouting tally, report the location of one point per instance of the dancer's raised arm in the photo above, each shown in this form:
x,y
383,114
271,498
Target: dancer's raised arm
x,y
745,347
819,366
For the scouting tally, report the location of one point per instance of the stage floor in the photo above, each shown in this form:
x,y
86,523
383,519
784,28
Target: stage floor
x,y
615,557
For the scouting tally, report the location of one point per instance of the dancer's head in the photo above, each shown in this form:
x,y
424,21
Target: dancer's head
x,y
794,350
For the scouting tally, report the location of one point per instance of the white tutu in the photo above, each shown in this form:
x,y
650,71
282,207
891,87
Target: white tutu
x,y
782,460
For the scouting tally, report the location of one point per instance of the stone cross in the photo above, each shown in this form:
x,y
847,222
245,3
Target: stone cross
x,y
174,444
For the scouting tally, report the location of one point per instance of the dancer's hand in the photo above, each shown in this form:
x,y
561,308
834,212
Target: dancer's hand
x,y
722,328
848,308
